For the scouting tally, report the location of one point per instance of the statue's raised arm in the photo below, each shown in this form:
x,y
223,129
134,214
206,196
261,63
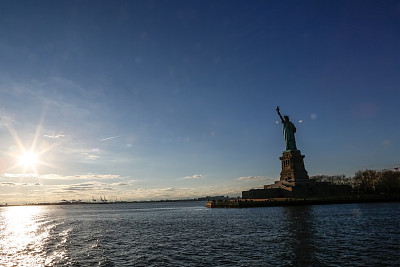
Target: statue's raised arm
x,y
277,109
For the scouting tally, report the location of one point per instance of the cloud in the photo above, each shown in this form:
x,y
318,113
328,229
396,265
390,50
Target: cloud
x,y
19,175
80,187
86,191
163,193
80,177
120,184
18,184
196,176
108,188
91,156
94,186
252,178
54,136
108,138
178,193
79,154
8,183
6,120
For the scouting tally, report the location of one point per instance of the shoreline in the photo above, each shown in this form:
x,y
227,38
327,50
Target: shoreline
x,y
276,202
97,203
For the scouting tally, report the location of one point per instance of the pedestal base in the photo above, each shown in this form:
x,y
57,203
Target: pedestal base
x,y
293,170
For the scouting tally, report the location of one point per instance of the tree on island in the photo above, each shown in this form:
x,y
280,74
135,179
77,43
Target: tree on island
x,y
372,181
366,181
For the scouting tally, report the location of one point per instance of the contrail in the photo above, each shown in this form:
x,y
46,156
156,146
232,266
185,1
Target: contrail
x,y
108,138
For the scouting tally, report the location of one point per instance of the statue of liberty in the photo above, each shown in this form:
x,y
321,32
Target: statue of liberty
x,y
288,132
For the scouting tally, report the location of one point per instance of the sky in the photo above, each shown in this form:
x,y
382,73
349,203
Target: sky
x,y
147,100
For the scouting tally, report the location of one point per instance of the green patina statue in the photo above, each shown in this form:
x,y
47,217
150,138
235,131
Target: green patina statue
x,y
288,132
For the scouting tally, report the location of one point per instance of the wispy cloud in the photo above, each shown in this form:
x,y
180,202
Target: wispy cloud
x,y
8,183
163,193
93,186
35,192
108,138
178,193
81,187
19,175
120,184
252,178
81,154
91,156
196,176
80,177
18,184
6,120
55,136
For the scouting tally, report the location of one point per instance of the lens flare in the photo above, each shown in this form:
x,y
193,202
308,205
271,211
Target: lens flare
x,y
28,160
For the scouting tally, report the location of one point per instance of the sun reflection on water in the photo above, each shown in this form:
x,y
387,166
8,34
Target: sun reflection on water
x,y
24,232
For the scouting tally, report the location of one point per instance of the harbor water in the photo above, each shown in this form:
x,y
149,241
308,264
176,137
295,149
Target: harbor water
x,y
189,234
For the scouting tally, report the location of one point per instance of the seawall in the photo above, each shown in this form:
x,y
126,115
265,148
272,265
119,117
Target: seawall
x,y
273,202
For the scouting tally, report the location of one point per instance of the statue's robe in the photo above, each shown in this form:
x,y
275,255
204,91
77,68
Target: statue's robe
x,y
288,132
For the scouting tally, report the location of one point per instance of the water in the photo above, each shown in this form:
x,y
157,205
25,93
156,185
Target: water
x,y
189,234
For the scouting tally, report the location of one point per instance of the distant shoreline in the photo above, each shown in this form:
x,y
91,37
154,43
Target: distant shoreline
x,y
227,202
100,203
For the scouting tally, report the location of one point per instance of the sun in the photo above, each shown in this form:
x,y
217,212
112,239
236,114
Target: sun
x,y
28,160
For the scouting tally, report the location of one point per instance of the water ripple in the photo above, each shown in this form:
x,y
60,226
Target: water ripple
x,y
188,234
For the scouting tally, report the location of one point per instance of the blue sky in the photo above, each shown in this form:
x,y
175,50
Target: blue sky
x,y
173,99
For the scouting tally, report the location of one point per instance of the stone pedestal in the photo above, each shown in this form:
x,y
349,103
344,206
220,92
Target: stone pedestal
x,y
293,171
